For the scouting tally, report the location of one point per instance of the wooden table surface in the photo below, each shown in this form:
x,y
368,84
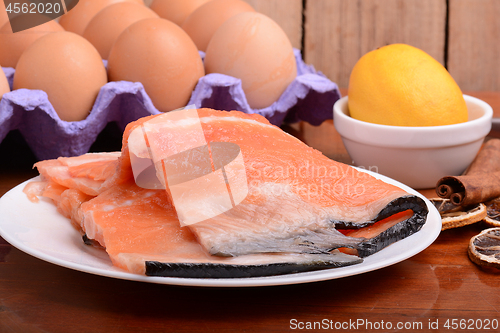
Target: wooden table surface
x,y
438,286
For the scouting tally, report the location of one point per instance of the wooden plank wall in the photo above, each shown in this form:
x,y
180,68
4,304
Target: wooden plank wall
x,y
474,44
463,35
339,32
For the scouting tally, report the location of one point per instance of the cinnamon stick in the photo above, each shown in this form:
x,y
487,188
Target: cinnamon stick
x,y
480,182
487,160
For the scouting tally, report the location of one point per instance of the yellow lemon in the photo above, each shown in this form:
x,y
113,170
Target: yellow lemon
x,y
401,85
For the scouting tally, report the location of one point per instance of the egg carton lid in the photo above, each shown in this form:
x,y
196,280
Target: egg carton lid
x,y
310,97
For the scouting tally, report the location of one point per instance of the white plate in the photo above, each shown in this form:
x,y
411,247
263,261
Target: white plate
x,y
39,230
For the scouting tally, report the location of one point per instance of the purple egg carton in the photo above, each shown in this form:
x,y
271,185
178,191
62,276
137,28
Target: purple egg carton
x,y
310,97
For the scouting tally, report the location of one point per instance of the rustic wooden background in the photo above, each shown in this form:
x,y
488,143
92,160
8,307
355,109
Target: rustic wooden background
x,y
464,35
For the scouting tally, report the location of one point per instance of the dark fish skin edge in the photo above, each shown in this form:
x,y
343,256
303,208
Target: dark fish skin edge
x,y
395,206
395,233
91,242
222,271
399,231
370,246
86,240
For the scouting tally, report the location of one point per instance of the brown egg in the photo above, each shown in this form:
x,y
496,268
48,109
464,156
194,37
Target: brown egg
x,y
76,19
4,18
68,68
4,84
12,45
204,21
160,55
109,23
176,10
253,48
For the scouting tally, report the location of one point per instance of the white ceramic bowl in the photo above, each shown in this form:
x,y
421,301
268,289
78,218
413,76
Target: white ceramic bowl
x,y
415,156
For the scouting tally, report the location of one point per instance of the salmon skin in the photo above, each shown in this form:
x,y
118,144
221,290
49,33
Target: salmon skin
x,y
302,263
297,197
302,211
396,232
141,233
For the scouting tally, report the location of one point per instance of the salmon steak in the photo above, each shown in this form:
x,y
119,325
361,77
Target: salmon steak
x,y
228,195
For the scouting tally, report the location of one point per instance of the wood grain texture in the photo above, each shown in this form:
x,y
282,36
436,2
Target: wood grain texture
x,y
474,51
339,32
287,13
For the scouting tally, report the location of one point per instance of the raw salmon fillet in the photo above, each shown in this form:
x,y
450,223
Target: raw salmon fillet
x,y
87,173
141,233
297,198
300,206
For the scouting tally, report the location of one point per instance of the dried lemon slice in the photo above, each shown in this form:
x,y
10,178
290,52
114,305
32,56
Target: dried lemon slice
x,y
453,216
484,248
493,212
